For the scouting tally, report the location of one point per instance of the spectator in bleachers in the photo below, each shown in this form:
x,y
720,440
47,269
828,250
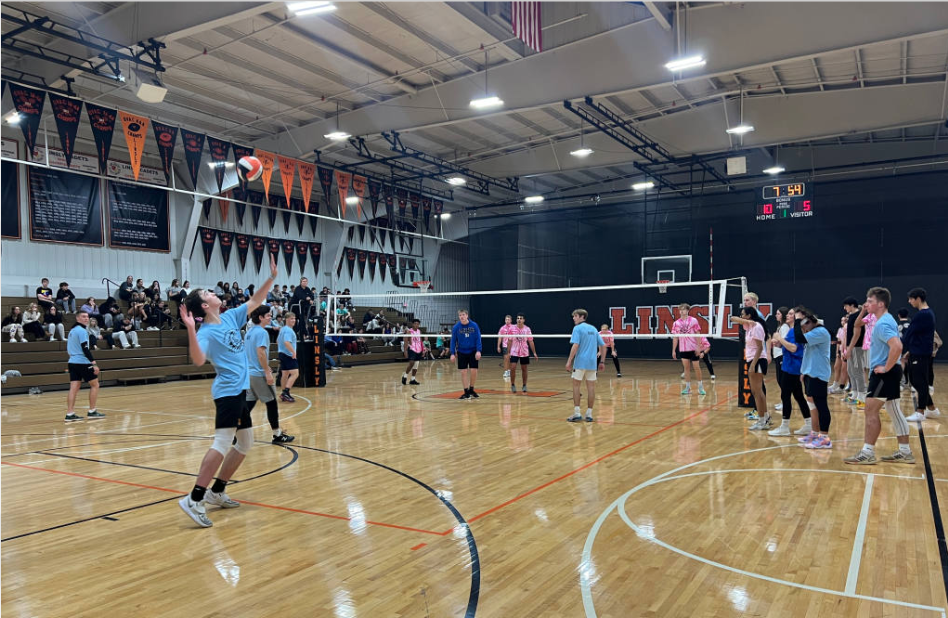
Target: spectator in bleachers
x,y
111,313
441,344
32,324
286,294
227,295
13,325
176,292
275,294
136,313
95,333
153,292
125,289
138,292
54,323
159,316
65,298
302,299
219,290
186,287
390,341
91,308
44,295
125,334
361,346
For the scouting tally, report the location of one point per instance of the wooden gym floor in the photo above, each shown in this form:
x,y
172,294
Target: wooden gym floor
x,y
394,501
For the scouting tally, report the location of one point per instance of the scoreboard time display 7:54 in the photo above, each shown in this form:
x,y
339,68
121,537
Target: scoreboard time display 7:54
x,y
789,201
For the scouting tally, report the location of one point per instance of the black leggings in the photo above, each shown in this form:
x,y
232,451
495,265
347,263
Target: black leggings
x,y
706,359
791,387
919,368
778,369
816,389
615,359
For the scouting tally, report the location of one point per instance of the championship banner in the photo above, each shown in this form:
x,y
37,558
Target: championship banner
x,y
29,103
206,208
391,238
208,236
302,253
243,246
415,199
313,209
402,196
267,159
438,209
362,234
307,174
296,205
273,246
393,267
224,204
325,180
219,150
287,173
373,259
64,207
389,205
274,203
382,265
289,248
351,232
226,241
426,209
138,217
375,192
315,249
240,196
193,152
255,197
102,121
166,136
362,258
358,186
259,245
343,180
239,153
135,128
67,112
372,233
351,260
339,268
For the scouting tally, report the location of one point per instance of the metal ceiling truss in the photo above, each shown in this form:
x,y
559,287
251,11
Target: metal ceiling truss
x,y
371,159
38,81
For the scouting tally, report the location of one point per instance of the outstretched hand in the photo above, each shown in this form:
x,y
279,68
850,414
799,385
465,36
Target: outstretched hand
x,y
273,266
186,316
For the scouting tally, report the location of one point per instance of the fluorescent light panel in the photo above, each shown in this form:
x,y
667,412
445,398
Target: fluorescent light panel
x,y
690,62
445,215
643,186
581,152
774,170
456,181
533,199
740,129
13,117
301,9
486,102
337,136
352,199
213,164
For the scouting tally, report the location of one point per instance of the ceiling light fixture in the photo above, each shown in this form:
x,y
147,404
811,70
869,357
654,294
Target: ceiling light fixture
x,y
533,199
13,118
690,62
456,181
301,9
643,186
445,215
488,101
338,135
777,169
213,164
581,152
352,200
740,129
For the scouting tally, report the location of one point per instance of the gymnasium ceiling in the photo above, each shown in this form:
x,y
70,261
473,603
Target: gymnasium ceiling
x,y
826,85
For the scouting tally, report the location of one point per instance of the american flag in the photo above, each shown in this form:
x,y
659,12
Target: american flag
x,y
525,19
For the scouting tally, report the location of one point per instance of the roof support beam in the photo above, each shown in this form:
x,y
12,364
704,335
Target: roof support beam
x,y
658,15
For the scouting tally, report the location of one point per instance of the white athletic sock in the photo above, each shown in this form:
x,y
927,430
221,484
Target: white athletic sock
x,y
589,411
575,410
688,385
785,422
278,432
405,375
700,384
808,422
869,448
905,448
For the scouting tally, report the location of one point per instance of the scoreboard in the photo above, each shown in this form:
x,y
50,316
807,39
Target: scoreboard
x,y
789,201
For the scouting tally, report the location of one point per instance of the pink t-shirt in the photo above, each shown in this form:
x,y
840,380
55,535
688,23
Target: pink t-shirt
x,y
841,335
518,344
416,345
506,329
686,326
607,337
705,344
870,322
754,341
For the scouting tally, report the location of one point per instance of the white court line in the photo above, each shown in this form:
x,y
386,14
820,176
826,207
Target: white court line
x,y
856,559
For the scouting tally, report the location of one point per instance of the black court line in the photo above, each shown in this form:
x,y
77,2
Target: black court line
x,y
82,521
471,544
115,463
936,512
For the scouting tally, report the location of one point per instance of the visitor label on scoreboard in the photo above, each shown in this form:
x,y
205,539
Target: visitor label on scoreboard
x,y
138,217
789,201
64,207
90,165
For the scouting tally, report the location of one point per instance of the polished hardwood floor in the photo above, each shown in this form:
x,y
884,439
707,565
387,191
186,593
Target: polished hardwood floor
x,y
403,501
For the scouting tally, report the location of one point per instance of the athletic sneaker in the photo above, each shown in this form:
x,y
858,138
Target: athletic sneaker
x,y
701,391
524,389
848,399
820,441
916,417
805,430
686,391
70,418
474,393
222,500
860,405
288,398
589,418
414,383
576,418
712,377
778,407
682,375
466,395
783,430
513,388
283,438
751,416
196,511
404,380
506,374
862,458
95,414
899,457
619,375
932,413
808,438
761,424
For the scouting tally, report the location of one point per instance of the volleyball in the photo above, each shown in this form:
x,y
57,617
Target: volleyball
x,y
249,168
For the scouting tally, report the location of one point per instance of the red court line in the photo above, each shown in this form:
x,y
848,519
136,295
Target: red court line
x,y
456,394
419,546
591,463
261,504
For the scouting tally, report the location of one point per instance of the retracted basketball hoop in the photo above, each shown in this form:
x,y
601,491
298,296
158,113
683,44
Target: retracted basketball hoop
x,y
422,285
662,285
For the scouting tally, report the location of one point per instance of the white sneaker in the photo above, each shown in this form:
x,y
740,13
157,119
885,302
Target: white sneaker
x,y
778,407
682,375
931,390
806,430
196,511
932,413
712,377
137,345
222,500
916,417
783,430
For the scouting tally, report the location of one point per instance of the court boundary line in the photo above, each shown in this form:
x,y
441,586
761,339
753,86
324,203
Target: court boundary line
x,y
855,561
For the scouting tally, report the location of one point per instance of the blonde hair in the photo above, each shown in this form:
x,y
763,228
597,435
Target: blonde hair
x,y
606,326
684,306
752,296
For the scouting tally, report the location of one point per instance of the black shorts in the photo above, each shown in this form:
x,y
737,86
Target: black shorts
x,y
232,411
814,387
288,363
885,385
414,356
760,368
81,372
523,360
689,355
467,360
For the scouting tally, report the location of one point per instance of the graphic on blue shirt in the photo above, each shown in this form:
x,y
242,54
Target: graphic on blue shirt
x,y
223,345
287,335
885,329
257,338
466,338
77,336
589,341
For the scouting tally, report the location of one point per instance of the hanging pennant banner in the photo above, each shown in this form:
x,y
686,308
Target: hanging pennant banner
x,y
208,236
67,113
302,253
239,153
240,196
224,205
351,232
193,152
339,268
315,249
307,174
415,199
287,173
362,234
372,233
375,192
166,136
389,204
313,209
438,209
226,241
136,128
426,209
373,259
243,247
358,187
351,260
273,246
325,181
289,248
362,259
393,267
206,207
402,195
267,159
255,197
219,150
259,244
382,265
102,121
275,203
343,180
391,238
29,103
296,205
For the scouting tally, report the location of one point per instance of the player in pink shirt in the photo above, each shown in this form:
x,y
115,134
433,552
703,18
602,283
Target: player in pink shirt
x,y
755,354
503,341
415,350
686,347
521,344
609,337
840,372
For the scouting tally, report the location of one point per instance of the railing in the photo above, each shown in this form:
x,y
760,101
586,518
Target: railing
x,y
107,281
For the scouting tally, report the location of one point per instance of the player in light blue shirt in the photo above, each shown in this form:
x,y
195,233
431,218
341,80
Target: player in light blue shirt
x,y
261,388
587,347
289,366
220,341
82,368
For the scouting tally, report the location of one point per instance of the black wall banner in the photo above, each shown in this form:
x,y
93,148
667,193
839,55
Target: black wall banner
x,y
66,111
350,260
325,180
29,103
273,245
302,254
372,233
373,259
289,248
208,236
375,191
138,217
315,249
193,152
339,268
296,205
255,197
219,150
64,207
10,213
438,209
243,246
361,233
206,207
389,207
382,265
362,258
239,153
274,203
393,267
102,120
166,136
240,196
351,233
313,209
391,238
226,240
259,244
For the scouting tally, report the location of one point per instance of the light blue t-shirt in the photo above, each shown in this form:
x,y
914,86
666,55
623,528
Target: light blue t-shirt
x,y
885,329
286,334
223,345
77,336
257,338
816,354
589,341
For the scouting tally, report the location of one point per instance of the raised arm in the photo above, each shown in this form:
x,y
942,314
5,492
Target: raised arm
x,y
194,348
260,294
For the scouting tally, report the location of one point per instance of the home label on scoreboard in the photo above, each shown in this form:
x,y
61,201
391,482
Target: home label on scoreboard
x,y
789,201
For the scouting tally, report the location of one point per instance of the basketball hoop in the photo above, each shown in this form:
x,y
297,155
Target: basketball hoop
x,y
662,285
422,285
